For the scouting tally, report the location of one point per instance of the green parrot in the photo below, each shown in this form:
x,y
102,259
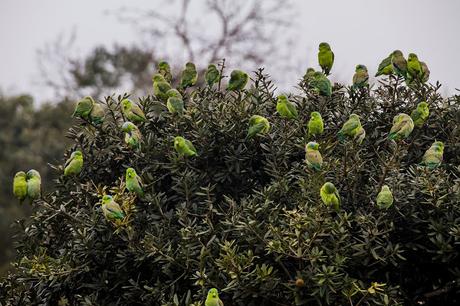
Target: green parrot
x,y
74,164
84,107
175,105
420,114
258,125
313,156
385,67
184,146
352,128
132,111
97,114
285,108
360,77
399,63
414,68
160,87
330,195
238,80
384,198
212,75
213,298
309,74
111,210
133,136
433,156
325,57
174,93
34,184
402,127
189,76
425,72
20,185
134,182
165,70
315,124
321,84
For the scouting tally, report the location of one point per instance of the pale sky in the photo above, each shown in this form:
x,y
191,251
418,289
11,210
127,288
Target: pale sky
x,y
359,31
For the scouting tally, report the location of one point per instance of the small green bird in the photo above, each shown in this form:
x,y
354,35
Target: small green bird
x,y
174,93
325,57
402,127
184,146
425,72
238,80
420,114
134,182
97,114
213,298
309,74
111,210
165,70
434,155
20,185
175,105
132,111
385,67
258,125
330,195
352,128
160,87
74,164
414,68
321,84
315,124
34,184
285,108
313,156
133,136
84,107
212,75
189,76
385,198
399,63
361,76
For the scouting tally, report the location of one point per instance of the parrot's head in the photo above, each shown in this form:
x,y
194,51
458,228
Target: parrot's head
x,y
397,53
173,93
412,57
212,66
310,72
213,293
315,115
190,65
163,65
76,154
128,127
126,104
131,173
324,46
329,187
282,99
438,146
354,117
179,141
361,68
158,78
106,199
20,174
33,174
313,145
422,106
385,188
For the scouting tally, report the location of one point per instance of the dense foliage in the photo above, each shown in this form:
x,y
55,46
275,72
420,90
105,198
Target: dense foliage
x,y
245,215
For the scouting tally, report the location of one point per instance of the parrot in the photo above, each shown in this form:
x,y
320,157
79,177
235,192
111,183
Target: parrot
x,y
285,108
160,87
360,77
132,111
133,136
352,128
74,164
184,146
315,124
189,76
420,114
84,107
384,198
399,63
313,156
309,74
174,93
134,182
238,80
111,210
34,183
165,70
385,67
213,298
20,185
212,75
97,114
258,125
433,156
325,57
175,105
414,68
425,72
402,127
321,84
330,195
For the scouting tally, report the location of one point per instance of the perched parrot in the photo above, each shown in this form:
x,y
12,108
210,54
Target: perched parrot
x,y
420,114
360,77
330,195
212,75
402,127
309,74
165,70
174,93
313,156
325,57
112,211
34,183
258,125
352,128
175,105
132,111
385,67
160,87
74,164
315,124
285,108
97,114
425,72
184,146
213,298
399,63
133,136
321,84
189,76
433,156
414,68
84,107
238,80
20,185
134,182
384,198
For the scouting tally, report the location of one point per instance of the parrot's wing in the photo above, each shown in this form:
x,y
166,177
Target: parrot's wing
x,y
386,62
68,161
138,111
190,145
292,109
350,125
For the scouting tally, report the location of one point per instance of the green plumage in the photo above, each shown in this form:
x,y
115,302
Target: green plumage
x,y
132,111
258,125
238,80
402,127
385,198
414,69
175,105
74,164
325,57
212,75
385,67
34,183
315,124
213,298
184,146
285,108
330,195
20,185
97,114
425,72
361,76
352,128
420,114
309,74
321,84
399,63
134,182
165,70
189,76
313,157
111,210
160,87
434,155
84,107
133,136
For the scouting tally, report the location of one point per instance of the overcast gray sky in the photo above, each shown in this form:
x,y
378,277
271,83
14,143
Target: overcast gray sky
x,y
359,31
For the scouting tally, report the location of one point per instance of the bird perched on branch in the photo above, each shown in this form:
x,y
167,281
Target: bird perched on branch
x,y
361,77
258,125
184,146
330,195
175,104
321,84
385,67
315,124
165,70
133,136
20,186
97,113
313,157
402,127
189,76
212,75
325,57
420,114
134,182
384,198
352,128
286,108
84,107
434,155
74,164
34,184
160,87
238,80
111,210
132,111
399,63
213,298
